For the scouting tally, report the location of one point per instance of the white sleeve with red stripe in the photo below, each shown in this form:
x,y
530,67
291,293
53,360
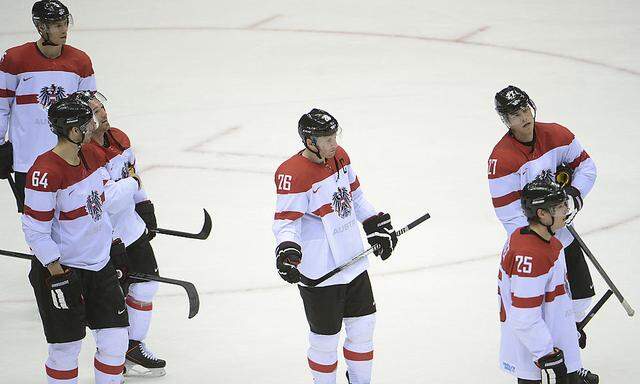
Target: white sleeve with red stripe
x,y
87,83
8,84
119,193
36,224
141,194
584,174
525,314
363,208
505,194
290,207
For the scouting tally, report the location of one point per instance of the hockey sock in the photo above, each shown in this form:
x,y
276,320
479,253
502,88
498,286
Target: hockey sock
x,y
323,357
358,347
139,308
62,363
111,346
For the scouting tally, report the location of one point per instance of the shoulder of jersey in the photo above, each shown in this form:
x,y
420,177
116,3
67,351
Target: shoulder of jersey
x,y
532,245
94,155
15,56
47,166
505,155
120,137
342,156
553,135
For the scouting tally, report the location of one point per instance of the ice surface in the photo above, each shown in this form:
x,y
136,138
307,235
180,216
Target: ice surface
x,y
210,93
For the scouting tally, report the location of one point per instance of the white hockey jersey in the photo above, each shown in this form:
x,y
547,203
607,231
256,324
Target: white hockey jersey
x,y
536,313
118,155
318,207
513,164
29,84
64,213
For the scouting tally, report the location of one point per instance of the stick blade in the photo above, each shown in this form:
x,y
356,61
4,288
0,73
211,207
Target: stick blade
x,y
206,228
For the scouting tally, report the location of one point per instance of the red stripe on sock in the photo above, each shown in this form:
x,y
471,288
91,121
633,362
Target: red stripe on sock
x,y
62,375
357,356
140,306
108,369
322,367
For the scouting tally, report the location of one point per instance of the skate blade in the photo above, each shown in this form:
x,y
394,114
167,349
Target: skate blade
x,y
135,370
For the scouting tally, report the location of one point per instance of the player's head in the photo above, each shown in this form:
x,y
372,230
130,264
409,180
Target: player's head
x,y
318,131
71,119
96,101
515,108
52,20
545,201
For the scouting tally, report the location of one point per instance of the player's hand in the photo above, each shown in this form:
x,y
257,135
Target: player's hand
x,y
554,362
66,290
288,256
574,203
148,214
582,338
380,232
564,175
118,254
6,159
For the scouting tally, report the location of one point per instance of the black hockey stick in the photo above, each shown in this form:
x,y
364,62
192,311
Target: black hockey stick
x,y
595,309
313,282
202,235
14,189
192,292
604,275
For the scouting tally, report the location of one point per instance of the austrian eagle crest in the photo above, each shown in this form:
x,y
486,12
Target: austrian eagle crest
x,y
341,202
51,94
94,206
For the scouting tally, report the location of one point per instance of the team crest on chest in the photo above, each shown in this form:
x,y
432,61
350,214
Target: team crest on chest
x,y
49,95
341,202
94,206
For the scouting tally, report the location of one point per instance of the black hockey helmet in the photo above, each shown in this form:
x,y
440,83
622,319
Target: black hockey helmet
x,y
541,193
67,113
316,123
47,11
511,99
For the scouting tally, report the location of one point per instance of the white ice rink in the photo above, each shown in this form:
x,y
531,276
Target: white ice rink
x,y
210,93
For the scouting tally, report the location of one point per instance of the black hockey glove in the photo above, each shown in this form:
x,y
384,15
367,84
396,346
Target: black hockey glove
x,y
66,291
146,212
118,254
574,203
554,362
6,159
288,256
582,338
380,232
564,175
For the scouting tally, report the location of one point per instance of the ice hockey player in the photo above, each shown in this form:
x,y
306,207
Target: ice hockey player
x,y
132,225
319,203
66,225
32,77
526,150
538,331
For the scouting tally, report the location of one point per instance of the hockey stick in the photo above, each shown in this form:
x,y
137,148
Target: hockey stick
x,y
604,275
14,189
595,309
192,292
202,235
314,282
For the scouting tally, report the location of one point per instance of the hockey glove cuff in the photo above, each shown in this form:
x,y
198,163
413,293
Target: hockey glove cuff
x,y
6,159
380,232
118,254
574,203
66,291
564,175
553,363
145,210
288,256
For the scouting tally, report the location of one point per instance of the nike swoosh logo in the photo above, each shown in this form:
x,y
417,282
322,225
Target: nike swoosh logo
x,y
120,312
315,190
27,78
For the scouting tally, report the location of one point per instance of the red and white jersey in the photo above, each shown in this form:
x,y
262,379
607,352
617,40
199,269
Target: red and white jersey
x,y
536,312
29,84
64,214
118,155
513,164
318,207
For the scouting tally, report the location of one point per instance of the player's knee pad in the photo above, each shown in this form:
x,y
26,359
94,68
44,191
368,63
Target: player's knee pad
x,y
64,356
324,343
144,292
360,329
111,344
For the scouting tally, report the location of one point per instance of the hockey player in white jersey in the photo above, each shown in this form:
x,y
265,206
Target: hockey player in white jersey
x,y
131,251
68,229
319,204
32,77
538,330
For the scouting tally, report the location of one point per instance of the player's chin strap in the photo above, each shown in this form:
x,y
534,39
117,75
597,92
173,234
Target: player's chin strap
x,y
315,144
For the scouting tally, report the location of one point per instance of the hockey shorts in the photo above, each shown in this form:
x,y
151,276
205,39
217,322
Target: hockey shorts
x,y
578,274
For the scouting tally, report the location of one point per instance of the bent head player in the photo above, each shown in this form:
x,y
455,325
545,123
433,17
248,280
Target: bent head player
x,y
319,202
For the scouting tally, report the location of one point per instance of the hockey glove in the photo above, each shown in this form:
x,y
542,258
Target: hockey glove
x,y
574,203
66,292
146,212
288,256
380,232
564,174
554,363
582,338
6,159
118,254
